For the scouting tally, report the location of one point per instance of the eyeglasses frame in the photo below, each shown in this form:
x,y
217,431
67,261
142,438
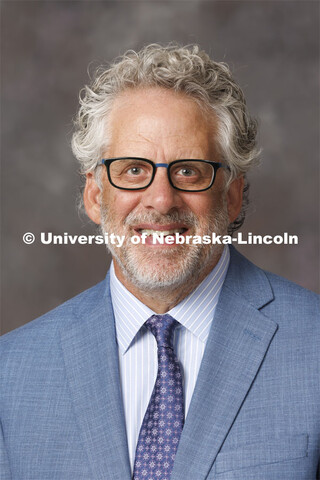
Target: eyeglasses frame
x,y
216,165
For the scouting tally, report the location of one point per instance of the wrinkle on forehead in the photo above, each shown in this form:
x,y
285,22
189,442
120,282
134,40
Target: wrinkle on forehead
x,y
157,119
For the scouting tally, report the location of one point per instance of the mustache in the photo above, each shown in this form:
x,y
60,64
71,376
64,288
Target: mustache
x,y
187,218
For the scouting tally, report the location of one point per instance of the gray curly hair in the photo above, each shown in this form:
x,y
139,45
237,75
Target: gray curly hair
x,y
182,69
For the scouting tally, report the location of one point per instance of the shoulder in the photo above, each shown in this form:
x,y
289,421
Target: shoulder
x,y
295,311
270,292
40,333
293,294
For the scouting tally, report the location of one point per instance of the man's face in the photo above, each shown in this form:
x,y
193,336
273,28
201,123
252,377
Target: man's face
x,y
162,126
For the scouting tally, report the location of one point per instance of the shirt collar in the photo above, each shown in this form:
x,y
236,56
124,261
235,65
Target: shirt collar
x,y
195,312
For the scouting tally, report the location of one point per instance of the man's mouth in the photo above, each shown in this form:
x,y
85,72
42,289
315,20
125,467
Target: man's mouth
x,y
161,233
154,233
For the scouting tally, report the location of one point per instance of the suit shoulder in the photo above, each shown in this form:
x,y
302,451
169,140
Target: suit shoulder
x,y
284,288
44,328
280,299
261,287
295,309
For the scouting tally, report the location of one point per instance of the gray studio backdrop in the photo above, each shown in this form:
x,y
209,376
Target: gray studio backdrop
x,y
46,48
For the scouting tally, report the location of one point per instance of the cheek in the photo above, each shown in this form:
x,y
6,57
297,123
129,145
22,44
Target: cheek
x,y
120,202
202,203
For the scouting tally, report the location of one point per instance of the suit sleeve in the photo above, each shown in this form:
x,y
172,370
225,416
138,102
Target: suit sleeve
x,y
5,473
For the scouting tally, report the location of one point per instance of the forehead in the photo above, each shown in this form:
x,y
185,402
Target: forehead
x,y
159,118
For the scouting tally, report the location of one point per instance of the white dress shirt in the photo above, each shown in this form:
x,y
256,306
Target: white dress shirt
x,y
138,348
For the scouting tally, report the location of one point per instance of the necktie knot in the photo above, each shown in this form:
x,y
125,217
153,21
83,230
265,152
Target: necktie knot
x,y
162,327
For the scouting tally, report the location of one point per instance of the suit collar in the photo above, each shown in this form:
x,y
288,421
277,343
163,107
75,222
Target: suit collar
x,y
238,341
91,362
248,281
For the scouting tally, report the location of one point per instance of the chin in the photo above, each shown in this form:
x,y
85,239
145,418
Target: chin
x,y
169,268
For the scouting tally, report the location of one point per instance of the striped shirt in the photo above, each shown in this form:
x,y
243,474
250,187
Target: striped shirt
x,y
138,348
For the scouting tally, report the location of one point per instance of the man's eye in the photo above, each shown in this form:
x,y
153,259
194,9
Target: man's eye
x,y
135,171
186,172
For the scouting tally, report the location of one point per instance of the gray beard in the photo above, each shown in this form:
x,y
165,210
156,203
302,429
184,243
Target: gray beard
x,y
167,270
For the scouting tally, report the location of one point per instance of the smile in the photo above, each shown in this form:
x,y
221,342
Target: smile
x,y
148,232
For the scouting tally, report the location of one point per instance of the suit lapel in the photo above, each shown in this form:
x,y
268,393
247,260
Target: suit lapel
x,y
238,341
91,360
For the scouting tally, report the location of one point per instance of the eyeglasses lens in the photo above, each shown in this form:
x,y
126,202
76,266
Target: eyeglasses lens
x,y
191,175
131,173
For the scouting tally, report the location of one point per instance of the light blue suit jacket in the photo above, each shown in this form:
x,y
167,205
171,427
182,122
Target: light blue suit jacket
x,y
255,412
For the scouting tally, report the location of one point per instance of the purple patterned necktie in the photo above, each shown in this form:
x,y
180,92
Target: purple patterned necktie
x,y
163,421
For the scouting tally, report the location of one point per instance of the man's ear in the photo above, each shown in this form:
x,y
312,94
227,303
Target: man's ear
x,y
92,198
234,198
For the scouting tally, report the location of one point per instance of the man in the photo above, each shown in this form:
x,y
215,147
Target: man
x,y
187,362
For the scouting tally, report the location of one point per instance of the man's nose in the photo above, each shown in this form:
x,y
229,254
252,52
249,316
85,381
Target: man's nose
x,y
160,195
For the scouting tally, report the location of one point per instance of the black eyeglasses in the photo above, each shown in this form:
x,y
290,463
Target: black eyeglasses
x,y
135,173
